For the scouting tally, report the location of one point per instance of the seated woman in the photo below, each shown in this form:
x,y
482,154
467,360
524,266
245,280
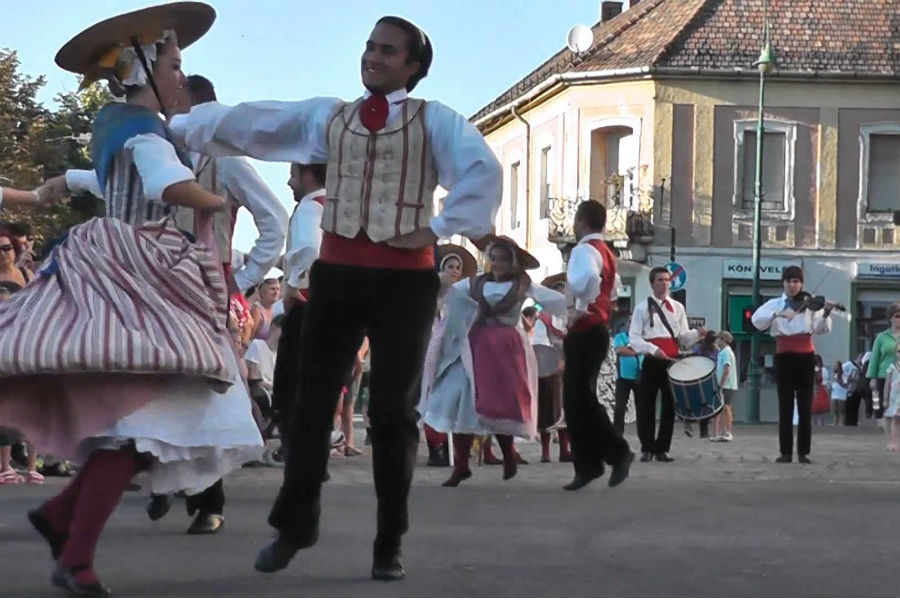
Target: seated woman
x,y
486,376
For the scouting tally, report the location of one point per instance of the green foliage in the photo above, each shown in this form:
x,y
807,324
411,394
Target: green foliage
x,y
36,144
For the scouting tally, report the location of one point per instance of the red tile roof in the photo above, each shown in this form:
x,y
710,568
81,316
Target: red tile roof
x,y
810,38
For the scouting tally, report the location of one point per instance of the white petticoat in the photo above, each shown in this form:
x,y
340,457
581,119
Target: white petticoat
x,y
194,434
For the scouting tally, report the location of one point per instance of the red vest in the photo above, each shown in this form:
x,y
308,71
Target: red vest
x,y
599,310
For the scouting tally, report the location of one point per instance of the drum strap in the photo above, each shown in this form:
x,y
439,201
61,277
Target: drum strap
x,y
651,305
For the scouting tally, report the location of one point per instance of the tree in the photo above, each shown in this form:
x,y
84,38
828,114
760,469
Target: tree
x,y
37,144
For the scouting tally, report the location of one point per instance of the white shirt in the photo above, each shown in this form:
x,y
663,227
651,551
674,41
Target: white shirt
x,y
641,330
584,274
259,354
805,322
242,184
541,336
304,238
156,174
552,301
297,132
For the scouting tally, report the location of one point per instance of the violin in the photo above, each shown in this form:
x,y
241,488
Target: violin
x,y
804,300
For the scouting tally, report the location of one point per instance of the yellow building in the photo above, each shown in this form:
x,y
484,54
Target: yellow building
x,y
657,120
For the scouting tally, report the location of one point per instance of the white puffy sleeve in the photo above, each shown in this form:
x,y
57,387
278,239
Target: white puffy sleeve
x,y
158,164
466,167
267,130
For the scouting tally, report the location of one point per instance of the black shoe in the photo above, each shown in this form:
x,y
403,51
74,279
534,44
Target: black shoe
x,y
582,479
663,457
64,578
646,456
326,476
206,523
784,458
436,458
621,469
56,540
158,506
804,459
388,568
276,555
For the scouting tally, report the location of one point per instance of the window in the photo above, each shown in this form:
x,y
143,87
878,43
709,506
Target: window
x,y
777,169
514,196
772,171
545,183
883,193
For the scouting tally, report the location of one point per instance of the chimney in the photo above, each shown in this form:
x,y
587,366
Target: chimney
x,y
610,9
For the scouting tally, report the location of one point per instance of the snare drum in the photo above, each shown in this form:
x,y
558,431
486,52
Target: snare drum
x,y
693,381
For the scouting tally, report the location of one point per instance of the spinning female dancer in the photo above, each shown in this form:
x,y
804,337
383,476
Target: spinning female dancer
x,y
128,297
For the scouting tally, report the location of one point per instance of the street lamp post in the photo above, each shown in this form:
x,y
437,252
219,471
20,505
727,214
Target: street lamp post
x,y
765,64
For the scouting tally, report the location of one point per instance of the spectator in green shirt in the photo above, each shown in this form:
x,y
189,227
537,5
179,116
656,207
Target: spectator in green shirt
x,y
883,351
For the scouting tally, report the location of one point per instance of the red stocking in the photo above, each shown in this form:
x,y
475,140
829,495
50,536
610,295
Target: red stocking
x,y
104,480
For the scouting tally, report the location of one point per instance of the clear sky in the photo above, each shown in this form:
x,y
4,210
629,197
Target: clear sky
x,y
290,50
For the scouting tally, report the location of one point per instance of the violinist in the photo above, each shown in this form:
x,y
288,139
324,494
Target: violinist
x,y
792,320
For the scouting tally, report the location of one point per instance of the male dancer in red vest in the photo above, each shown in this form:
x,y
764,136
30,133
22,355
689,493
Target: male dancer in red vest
x,y
591,288
386,153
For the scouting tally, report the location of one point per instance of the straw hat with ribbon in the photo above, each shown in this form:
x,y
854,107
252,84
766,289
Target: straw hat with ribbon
x,y
445,252
523,258
117,49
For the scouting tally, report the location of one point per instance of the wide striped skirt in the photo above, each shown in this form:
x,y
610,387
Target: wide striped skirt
x,y
122,338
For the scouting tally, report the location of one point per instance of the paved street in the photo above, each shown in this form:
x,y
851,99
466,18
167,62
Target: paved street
x,y
723,520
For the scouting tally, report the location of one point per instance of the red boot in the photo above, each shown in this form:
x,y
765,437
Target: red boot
x,y
488,453
565,452
462,445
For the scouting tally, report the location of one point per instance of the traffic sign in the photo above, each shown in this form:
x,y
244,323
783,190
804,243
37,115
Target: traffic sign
x,y
679,276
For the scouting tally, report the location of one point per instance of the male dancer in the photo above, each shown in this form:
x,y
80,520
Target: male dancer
x,y
658,327
307,182
794,360
386,153
591,287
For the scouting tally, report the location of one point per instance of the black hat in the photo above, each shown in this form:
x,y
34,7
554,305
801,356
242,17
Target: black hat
x,y
792,272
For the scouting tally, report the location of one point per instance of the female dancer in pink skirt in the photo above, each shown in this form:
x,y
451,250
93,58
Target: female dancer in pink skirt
x,y
486,375
117,353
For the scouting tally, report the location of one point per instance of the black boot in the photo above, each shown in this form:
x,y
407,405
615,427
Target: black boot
x,y
158,506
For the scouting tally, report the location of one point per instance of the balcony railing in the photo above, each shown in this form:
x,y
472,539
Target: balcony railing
x,y
627,222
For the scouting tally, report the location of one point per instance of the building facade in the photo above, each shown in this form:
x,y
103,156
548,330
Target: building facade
x,y
658,122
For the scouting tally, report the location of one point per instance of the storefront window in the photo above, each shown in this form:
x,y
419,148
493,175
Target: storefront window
x,y
739,298
870,314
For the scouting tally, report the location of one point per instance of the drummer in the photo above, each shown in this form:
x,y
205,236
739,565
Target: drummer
x,y
659,330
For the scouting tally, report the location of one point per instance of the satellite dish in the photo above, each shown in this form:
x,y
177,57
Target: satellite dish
x,y
580,39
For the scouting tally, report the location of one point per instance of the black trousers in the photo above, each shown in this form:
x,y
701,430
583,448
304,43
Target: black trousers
x,y
653,380
794,378
210,501
624,387
594,439
864,397
395,309
285,380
